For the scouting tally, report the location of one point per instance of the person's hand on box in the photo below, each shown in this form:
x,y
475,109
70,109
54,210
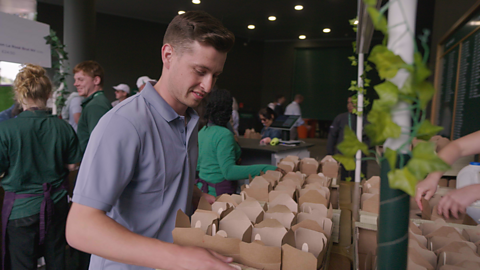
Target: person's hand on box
x,y
458,200
210,198
426,188
265,141
201,259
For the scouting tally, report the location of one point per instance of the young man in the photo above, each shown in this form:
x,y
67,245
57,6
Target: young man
x,y
142,81
294,109
121,93
139,168
89,83
277,105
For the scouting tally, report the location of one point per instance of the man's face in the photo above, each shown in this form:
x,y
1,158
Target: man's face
x,y
119,94
281,100
85,84
193,73
349,104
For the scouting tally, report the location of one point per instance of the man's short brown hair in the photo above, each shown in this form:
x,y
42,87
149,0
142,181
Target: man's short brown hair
x,y
198,26
90,68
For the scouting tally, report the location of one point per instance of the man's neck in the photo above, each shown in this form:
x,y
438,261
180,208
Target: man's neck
x,y
96,89
176,105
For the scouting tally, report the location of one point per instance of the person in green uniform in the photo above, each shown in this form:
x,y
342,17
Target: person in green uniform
x,y
89,83
37,150
218,152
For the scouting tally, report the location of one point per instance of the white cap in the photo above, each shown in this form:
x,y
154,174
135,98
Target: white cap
x,y
122,87
142,80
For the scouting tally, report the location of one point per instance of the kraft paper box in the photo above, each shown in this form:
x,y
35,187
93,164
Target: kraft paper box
x,y
270,232
414,229
324,222
371,203
446,231
271,179
204,220
286,165
274,193
276,174
330,169
322,180
440,142
257,255
296,177
252,209
438,242
462,218
282,214
251,134
327,158
420,239
183,234
428,228
233,199
453,258
312,196
258,189
318,209
284,199
290,183
457,247
429,255
309,166
324,191
372,185
413,266
473,234
418,259
242,267
237,225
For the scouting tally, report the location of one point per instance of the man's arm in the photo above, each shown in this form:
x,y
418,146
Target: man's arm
x,y
91,230
76,117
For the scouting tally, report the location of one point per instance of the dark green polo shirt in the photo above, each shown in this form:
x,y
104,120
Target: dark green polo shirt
x,y
34,149
94,107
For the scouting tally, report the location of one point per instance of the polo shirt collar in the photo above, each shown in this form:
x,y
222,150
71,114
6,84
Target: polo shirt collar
x,y
88,99
35,113
162,107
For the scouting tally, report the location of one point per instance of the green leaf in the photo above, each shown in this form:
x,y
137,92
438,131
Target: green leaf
x,y
427,130
424,160
407,88
386,61
391,156
378,19
421,72
370,2
388,93
347,162
348,179
402,179
381,126
350,144
425,92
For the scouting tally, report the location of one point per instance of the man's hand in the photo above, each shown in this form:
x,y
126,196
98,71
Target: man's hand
x,y
426,188
201,259
458,200
210,198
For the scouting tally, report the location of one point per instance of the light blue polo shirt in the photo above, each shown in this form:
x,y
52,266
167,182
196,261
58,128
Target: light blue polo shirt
x,y
139,167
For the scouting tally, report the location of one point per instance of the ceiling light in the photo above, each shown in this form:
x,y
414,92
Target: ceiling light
x,y
355,22
302,37
196,2
251,26
180,12
298,7
326,30
272,18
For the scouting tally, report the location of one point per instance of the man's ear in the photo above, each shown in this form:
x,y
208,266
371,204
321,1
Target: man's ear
x,y
97,80
167,55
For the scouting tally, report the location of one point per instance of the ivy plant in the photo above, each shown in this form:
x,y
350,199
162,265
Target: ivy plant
x,y
60,67
417,93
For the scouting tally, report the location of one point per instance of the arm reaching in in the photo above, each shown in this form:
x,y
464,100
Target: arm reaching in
x,y
465,146
458,200
90,230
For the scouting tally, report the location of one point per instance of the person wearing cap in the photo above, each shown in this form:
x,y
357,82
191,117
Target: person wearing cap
x,y
121,93
142,81
89,83
140,164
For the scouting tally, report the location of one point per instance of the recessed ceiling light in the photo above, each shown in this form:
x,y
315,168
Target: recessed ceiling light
x,y
180,12
355,22
326,30
272,18
196,2
251,26
302,37
298,7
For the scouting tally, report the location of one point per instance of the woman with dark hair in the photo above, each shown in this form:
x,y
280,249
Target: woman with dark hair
x,y
218,151
267,116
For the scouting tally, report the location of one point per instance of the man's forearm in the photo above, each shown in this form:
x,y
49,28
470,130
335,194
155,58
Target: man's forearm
x,y
90,230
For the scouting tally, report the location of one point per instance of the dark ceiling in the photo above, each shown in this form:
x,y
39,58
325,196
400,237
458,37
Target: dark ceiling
x,y
237,14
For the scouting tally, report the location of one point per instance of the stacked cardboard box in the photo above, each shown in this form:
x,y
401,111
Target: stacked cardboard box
x,y
275,223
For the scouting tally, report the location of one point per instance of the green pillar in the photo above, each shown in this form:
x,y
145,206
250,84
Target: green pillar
x,y
392,224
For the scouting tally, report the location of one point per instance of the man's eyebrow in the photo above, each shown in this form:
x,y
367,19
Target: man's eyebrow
x,y
207,68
